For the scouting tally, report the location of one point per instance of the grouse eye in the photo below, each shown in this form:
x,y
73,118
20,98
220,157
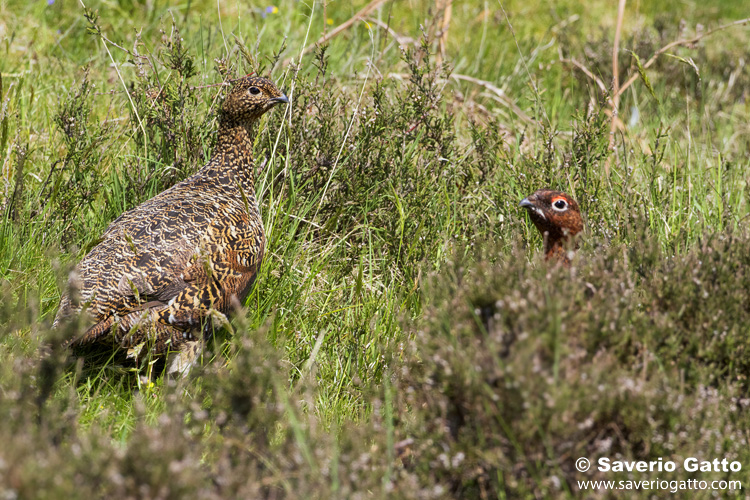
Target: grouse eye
x,y
254,90
560,204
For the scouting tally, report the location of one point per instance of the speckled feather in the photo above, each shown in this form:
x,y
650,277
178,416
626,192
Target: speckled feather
x,y
162,266
557,224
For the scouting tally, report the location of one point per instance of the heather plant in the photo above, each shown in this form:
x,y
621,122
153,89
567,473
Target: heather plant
x,y
516,371
73,181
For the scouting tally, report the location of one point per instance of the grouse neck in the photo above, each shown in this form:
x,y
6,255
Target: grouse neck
x,y
232,160
555,247
235,137
554,250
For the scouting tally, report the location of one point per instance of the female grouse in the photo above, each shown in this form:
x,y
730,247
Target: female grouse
x,y
190,252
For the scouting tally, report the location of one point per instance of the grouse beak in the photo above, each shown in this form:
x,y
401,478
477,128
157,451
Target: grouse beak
x,y
282,98
525,203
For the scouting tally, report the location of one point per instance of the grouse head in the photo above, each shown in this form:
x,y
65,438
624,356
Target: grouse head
x,y
249,98
556,215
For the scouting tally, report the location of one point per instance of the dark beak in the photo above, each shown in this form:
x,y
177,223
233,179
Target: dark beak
x,y
283,98
533,209
525,203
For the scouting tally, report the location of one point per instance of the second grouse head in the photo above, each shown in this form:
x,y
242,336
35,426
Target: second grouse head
x,y
249,98
556,215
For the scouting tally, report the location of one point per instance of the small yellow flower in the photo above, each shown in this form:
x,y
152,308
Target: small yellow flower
x,y
329,21
369,26
274,10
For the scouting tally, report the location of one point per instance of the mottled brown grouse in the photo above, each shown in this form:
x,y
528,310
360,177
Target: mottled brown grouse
x,y
556,215
162,267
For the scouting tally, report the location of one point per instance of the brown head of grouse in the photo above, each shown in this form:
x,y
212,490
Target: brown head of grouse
x,y
557,217
165,269
249,98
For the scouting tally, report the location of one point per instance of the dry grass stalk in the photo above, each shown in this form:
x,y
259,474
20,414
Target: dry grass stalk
x,y
615,102
447,8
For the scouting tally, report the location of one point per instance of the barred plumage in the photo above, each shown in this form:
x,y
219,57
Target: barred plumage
x,y
162,267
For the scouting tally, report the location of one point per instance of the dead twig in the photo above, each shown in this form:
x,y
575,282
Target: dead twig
x,y
501,95
400,39
365,11
616,121
587,72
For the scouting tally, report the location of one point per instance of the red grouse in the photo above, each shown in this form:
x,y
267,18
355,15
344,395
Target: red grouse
x,y
556,215
163,268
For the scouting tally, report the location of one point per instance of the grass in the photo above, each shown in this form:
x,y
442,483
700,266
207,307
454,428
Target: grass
x,y
404,339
